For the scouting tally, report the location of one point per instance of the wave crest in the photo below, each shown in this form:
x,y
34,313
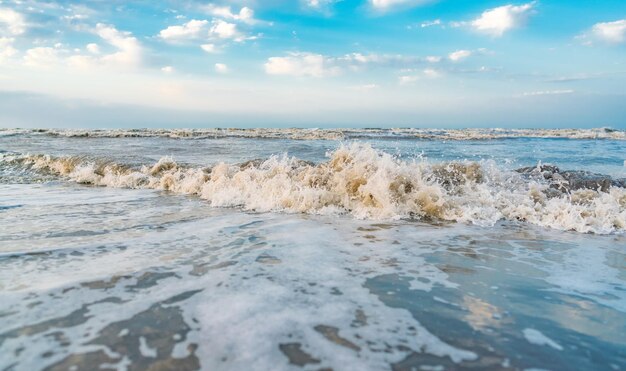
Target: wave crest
x,y
328,134
363,182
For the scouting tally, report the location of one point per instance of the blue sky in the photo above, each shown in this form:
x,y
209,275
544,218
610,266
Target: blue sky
x,y
316,63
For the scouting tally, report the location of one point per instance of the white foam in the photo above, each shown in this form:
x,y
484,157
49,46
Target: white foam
x,y
244,310
537,338
362,182
330,134
145,349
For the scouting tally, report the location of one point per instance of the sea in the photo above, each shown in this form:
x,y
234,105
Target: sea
x,y
313,249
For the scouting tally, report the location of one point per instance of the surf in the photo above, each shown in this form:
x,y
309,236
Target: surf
x,y
365,183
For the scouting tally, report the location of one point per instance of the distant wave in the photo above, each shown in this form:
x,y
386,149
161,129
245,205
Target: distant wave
x,y
365,183
329,134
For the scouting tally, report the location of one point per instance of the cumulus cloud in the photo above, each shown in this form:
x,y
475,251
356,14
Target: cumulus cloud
x,y
245,15
495,22
203,30
224,26
607,32
459,55
129,50
224,30
167,69
301,64
11,22
190,30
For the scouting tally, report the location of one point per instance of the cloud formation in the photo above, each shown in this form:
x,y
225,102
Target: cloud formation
x,y
547,92
318,65
6,48
459,55
221,68
224,26
387,4
428,73
11,22
610,32
186,31
245,15
301,64
127,53
495,22
319,4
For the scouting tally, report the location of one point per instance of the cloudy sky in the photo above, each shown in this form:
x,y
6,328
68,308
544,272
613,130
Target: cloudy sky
x,y
316,63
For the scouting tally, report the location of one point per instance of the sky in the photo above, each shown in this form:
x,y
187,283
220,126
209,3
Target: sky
x,y
313,63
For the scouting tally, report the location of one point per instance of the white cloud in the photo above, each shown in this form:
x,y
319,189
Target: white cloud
x,y
245,15
321,5
77,13
224,30
221,68
428,73
610,32
459,55
12,22
318,65
547,92
41,57
93,48
209,32
129,52
497,21
431,73
318,3
6,48
167,69
386,4
209,48
301,64
436,22
356,60
190,30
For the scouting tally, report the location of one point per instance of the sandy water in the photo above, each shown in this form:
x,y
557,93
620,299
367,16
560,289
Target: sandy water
x,y
118,278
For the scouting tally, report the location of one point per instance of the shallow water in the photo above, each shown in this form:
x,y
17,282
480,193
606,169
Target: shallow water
x,y
136,278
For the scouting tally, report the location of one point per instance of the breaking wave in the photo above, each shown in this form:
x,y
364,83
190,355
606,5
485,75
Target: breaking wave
x,y
365,183
329,134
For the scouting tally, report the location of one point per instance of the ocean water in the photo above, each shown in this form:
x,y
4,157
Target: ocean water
x,y
312,249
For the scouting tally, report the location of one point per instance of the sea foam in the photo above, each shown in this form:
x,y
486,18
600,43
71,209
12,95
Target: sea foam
x,y
363,182
328,134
